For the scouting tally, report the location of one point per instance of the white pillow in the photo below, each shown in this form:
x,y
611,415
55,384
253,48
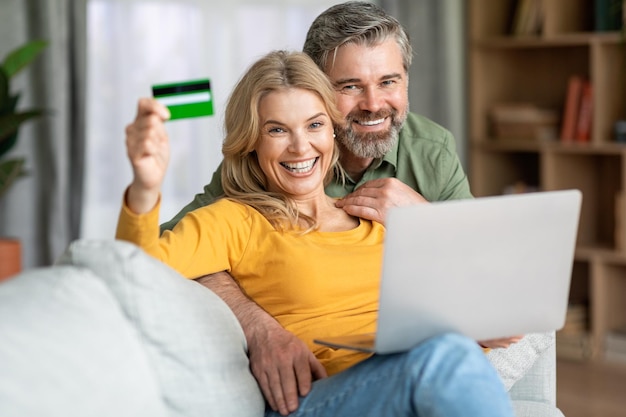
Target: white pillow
x,y
195,343
67,350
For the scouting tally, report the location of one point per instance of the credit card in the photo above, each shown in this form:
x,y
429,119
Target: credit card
x,y
185,99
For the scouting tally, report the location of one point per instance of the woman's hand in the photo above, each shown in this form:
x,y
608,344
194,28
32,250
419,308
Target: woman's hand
x,y
147,146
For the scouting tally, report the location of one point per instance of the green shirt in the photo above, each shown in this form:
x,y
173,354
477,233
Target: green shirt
x,y
424,158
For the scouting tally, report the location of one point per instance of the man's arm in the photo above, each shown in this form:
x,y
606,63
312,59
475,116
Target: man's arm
x,y
282,364
212,192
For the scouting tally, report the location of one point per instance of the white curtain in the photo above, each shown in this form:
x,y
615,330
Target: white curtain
x,y
134,44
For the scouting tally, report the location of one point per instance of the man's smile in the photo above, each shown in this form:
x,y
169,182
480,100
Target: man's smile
x,y
370,122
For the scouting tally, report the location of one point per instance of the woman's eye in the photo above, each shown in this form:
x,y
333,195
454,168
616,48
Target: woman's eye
x,y
316,125
276,130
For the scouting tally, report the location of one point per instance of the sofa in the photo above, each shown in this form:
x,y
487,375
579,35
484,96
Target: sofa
x,y
109,331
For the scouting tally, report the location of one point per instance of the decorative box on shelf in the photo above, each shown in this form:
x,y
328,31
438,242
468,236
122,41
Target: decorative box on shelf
x,y
524,121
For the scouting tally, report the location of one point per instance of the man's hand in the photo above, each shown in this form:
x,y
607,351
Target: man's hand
x,y
504,342
373,199
282,364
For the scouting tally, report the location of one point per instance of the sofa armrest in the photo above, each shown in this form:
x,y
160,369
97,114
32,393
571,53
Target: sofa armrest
x,y
534,394
538,383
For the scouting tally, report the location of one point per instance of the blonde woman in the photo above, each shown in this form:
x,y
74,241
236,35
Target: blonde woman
x,y
307,262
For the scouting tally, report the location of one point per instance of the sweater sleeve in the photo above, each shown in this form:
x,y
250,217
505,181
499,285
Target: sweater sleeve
x,y
205,241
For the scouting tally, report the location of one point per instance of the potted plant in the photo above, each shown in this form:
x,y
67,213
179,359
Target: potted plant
x,y
10,121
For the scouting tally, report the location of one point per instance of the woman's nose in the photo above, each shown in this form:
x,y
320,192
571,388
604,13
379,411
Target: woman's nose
x,y
298,142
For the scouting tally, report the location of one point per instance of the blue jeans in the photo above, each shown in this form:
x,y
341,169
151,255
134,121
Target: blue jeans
x,y
447,375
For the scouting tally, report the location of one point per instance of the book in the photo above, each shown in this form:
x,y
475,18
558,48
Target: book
x,y
576,320
524,121
607,15
573,346
528,17
571,107
585,113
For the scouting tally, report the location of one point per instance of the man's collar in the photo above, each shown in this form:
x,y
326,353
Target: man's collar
x,y
392,156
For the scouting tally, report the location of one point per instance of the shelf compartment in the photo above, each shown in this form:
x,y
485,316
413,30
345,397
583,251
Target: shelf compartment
x,y
512,168
495,18
599,178
521,76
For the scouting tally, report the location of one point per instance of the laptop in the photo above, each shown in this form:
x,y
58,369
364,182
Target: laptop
x,y
487,268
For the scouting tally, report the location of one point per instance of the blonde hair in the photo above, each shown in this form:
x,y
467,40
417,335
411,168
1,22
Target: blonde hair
x,y
242,177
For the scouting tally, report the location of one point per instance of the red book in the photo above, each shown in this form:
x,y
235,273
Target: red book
x,y
585,114
571,108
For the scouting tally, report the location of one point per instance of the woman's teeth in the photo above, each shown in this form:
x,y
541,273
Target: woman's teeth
x,y
300,167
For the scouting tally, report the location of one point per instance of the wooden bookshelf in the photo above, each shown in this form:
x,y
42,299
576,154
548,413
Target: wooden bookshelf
x,y
508,68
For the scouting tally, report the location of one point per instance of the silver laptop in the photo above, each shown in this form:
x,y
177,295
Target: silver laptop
x,y
488,268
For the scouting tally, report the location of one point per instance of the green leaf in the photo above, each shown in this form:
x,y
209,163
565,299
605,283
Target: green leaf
x,y
22,56
9,125
4,91
10,171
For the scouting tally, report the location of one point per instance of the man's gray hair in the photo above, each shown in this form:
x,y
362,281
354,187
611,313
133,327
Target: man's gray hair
x,y
358,22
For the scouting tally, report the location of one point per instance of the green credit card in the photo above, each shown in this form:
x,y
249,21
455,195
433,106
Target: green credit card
x,y
185,99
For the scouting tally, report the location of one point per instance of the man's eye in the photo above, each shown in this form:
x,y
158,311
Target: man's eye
x,y
388,83
351,90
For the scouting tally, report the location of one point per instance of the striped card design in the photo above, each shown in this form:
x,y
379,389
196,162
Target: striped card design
x,y
185,99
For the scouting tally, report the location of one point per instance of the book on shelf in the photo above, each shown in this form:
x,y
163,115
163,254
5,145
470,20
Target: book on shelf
x,y
573,346
571,107
585,113
528,17
524,121
573,340
607,15
575,320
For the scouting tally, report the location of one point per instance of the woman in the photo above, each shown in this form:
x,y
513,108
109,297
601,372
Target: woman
x,y
308,263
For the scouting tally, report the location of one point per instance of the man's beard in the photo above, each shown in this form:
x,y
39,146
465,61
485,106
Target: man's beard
x,y
370,144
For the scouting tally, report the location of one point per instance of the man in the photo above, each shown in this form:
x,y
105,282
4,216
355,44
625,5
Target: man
x,y
390,157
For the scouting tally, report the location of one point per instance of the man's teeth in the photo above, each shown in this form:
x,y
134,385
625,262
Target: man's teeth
x,y
371,122
300,167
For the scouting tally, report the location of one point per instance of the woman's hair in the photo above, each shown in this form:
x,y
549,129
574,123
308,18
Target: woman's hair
x,y
358,22
242,177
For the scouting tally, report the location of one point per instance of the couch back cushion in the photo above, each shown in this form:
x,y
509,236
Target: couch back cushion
x,y
194,342
67,349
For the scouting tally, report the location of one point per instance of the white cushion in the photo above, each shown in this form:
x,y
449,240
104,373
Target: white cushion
x,y
193,340
66,350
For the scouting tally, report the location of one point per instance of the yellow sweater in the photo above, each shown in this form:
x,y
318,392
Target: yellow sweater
x,y
316,285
